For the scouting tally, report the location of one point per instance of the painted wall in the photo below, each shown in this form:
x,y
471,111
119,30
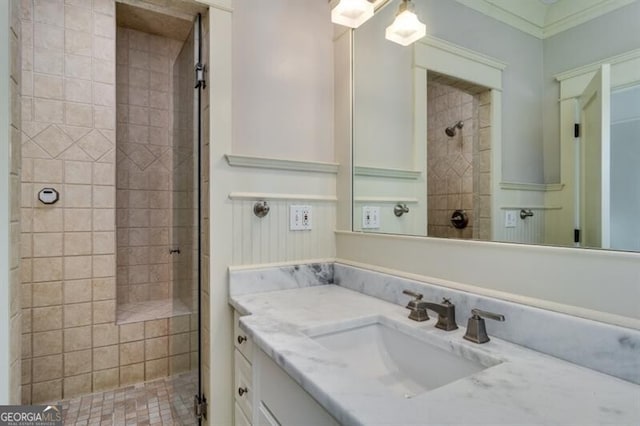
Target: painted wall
x,y
608,35
625,173
273,87
10,169
282,102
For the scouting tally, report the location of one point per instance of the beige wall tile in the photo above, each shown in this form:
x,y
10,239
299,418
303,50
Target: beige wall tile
x,y
77,44
47,368
131,374
156,328
77,267
78,115
103,174
156,368
104,243
104,311
48,171
76,90
77,195
77,291
46,391
76,315
104,288
47,269
106,379
104,266
47,318
47,343
103,220
104,117
78,19
179,324
131,353
179,343
104,25
47,294
47,219
48,111
156,348
77,362
104,196
47,244
131,332
77,66
48,36
79,172
47,86
48,12
77,243
77,219
179,364
105,335
105,357
77,385
77,338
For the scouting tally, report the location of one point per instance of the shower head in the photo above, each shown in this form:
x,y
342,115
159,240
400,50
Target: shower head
x,y
451,131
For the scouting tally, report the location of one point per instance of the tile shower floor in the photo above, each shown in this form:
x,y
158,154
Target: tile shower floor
x,y
167,401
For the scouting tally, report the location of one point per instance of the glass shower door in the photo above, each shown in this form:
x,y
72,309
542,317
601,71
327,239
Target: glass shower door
x,y
186,236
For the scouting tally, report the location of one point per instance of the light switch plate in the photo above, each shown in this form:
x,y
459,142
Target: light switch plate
x,y
370,217
510,218
299,217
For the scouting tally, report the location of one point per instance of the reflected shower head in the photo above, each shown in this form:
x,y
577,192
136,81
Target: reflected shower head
x,y
451,131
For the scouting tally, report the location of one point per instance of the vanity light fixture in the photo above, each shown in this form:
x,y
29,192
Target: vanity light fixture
x,y
406,28
352,13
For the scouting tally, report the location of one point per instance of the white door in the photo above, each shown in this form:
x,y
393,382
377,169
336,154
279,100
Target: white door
x,y
595,159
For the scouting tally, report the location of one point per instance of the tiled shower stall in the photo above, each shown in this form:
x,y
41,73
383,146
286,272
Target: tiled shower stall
x,y
103,303
459,166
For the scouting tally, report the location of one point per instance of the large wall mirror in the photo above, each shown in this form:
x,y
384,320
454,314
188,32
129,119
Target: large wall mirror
x,y
470,132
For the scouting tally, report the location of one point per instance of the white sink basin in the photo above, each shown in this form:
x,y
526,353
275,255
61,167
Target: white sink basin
x,y
404,364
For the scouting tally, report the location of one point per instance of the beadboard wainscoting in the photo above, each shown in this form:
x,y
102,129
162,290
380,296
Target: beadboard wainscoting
x,y
268,239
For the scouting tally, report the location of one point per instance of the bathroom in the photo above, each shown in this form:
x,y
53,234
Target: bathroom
x,y
259,79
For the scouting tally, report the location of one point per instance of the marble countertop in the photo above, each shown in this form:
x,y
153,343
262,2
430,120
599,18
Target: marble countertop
x,y
526,387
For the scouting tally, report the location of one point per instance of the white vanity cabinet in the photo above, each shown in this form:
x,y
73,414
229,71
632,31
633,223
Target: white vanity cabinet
x,y
265,395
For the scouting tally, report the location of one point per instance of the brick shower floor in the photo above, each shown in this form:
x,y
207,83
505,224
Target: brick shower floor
x,y
167,401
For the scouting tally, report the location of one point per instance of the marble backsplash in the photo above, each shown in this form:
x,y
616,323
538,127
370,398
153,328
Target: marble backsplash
x,y
244,281
602,347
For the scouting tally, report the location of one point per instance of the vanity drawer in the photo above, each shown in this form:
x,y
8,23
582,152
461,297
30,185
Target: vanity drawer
x,y
240,339
240,417
243,384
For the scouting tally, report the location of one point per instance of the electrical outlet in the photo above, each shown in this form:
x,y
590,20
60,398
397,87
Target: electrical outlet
x,y
370,217
510,218
299,218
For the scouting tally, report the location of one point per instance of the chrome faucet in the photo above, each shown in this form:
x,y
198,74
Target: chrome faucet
x,y
446,314
446,311
476,330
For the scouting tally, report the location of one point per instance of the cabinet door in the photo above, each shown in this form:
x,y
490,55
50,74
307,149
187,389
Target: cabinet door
x,y
281,398
240,339
240,418
265,418
243,383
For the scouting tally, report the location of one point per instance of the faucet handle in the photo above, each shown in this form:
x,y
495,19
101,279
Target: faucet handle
x,y
486,314
417,307
418,296
476,329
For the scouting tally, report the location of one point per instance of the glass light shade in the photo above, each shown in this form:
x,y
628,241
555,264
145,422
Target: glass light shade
x,y
352,13
406,28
